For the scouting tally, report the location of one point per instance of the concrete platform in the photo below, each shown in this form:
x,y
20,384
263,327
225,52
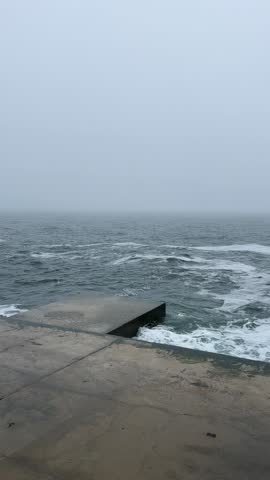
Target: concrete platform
x,y
97,314
85,405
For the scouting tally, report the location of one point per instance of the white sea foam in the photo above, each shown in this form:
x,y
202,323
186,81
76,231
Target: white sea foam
x,y
129,244
128,292
71,255
10,310
249,247
69,245
251,289
248,341
173,246
171,257
133,292
87,245
252,286
226,265
166,258
48,255
122,260
58,245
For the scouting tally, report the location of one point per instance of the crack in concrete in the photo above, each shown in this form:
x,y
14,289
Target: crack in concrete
x,y
56,371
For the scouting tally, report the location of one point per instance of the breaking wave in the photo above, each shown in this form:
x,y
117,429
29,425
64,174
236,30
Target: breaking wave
x,y
69,245
129,244
88,245
10,310
251,287
249,247
227,265
174,246
58,245
55,255
153,257
250,341
251,290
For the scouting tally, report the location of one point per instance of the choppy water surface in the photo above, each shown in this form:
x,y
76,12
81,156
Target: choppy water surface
x,y
214,274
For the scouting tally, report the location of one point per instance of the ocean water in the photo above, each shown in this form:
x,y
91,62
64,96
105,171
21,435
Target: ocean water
x,y
213,273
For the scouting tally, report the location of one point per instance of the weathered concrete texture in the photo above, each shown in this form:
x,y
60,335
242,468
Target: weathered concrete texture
x,y
85,406
98,314
47,353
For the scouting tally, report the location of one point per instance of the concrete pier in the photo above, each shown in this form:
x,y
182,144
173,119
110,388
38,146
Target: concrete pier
x,y
79,402
96,314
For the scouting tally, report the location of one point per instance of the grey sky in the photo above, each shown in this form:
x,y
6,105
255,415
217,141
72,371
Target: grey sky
x,y
142,105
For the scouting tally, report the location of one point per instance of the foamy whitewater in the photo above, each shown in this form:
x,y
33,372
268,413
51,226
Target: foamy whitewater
x,y
253,248
247,341
10,310
214,274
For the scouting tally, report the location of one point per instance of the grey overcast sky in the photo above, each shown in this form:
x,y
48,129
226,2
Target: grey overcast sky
x,y
135,105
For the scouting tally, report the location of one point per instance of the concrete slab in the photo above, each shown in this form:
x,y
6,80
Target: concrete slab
x,y
41,353
18,335
32,412
96,313
11,380
5,326
134,411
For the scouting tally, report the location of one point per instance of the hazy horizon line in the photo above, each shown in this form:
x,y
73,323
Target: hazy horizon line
x,y
135,212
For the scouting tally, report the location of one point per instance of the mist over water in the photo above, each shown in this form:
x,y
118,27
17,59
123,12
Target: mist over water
x,y
213,273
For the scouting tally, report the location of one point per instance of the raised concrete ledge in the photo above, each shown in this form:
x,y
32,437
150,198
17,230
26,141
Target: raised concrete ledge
x,y
95,313
220,360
